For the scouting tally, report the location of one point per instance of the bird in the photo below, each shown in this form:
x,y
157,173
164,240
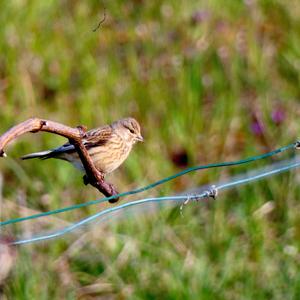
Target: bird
x,y
108,146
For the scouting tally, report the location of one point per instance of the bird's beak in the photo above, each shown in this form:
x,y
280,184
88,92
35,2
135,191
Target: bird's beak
x,y
139,138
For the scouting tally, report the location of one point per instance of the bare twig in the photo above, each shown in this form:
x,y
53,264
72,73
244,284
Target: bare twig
x,y
101,21
75,135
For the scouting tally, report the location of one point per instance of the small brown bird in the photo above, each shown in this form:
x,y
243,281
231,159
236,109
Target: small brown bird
x,y
108,146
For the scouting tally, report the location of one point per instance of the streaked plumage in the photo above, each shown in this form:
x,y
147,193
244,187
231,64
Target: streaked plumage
x,y
108,146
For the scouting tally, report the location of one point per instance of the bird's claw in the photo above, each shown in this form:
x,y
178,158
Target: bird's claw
x,y
86,180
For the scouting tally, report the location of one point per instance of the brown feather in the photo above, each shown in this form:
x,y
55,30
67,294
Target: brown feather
x,y
93,138
97,137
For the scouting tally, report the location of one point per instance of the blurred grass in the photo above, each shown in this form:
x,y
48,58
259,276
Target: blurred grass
x,y
209,81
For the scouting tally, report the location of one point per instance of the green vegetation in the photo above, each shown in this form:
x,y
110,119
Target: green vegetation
x,y
209,81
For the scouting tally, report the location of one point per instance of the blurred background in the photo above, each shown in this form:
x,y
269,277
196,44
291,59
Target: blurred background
x,y
209,81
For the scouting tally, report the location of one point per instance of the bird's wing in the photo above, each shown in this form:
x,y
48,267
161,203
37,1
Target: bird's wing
x,y
92,138
97,137
65,148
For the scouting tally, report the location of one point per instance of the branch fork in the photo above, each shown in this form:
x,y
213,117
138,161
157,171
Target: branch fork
x,y
75,136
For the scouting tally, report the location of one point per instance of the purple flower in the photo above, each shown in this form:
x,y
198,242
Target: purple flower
x,y
200,16
278,116
257,127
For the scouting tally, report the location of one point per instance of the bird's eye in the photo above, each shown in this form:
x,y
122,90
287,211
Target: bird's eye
x,y
129,128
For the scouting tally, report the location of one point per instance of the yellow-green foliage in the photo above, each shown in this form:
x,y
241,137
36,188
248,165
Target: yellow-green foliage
x,y
209,81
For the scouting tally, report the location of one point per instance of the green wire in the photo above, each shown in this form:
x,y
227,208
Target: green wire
x,y
235,182
152,185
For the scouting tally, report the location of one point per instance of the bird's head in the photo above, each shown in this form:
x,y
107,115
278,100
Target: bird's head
x,y
129,129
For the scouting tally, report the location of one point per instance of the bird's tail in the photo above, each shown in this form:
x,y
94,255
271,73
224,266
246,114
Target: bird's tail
x,y
42,155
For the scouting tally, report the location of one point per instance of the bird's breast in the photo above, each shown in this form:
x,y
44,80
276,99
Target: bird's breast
x,y
110,156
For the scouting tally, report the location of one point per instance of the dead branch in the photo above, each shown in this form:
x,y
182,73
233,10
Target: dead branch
x,y
101,21
75,135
